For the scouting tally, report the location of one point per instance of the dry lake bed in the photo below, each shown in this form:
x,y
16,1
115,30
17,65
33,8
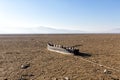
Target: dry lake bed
x,y
25,57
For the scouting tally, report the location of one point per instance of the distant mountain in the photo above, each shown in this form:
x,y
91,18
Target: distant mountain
x,y
42,29
117,30
38,30
47,30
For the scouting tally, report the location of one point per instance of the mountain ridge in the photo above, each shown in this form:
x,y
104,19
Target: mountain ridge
x,y
48,30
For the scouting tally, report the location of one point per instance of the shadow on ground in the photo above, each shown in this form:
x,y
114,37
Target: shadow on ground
x,y
77,53
82,54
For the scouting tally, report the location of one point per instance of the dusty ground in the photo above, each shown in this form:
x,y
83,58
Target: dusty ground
x,y
16,50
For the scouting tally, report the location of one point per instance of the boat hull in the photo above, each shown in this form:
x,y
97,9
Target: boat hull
x,y
58,50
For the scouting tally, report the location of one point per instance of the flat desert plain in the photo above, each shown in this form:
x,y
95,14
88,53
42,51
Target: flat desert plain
x,y
18,50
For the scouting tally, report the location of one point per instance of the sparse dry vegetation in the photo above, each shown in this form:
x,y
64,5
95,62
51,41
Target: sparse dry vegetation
x,y
18,50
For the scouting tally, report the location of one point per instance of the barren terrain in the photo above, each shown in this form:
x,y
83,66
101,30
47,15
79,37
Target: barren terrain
x,y
17,50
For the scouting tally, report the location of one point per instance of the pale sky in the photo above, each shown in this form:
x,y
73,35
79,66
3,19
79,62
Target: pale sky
x,y
83,15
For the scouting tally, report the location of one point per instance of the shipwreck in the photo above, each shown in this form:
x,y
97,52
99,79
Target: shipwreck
x,y
62,49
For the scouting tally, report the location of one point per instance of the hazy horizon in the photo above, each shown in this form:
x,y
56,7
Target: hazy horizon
x,y
59,16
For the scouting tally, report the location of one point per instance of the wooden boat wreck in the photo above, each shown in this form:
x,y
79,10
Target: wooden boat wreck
x,y
61,49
